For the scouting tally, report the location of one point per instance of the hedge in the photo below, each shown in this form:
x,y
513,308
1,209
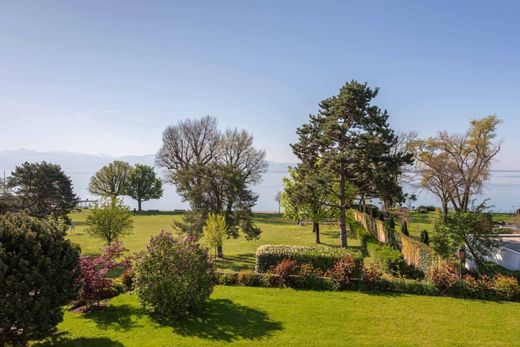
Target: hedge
x,y
323,258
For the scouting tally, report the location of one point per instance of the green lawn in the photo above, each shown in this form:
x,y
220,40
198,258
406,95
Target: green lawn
x,y
286,317
424,221
238,254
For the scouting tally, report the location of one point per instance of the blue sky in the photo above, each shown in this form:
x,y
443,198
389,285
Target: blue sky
x,y
109,76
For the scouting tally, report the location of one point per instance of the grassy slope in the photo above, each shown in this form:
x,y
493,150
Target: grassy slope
x,y
239,253
280,317
424,221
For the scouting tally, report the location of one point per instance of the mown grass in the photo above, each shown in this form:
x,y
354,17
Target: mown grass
x,y
285,317
425,221
238,253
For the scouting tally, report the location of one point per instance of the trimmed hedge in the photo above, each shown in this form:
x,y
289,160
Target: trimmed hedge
x,y
389,259
323,258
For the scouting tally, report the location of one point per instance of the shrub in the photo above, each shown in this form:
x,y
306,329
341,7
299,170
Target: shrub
x,y
481,288
310,278
96,284
127,278
390,260
506,287
443,277
270,280
323,258
343,272
248,278
285,269
425,238
493,269
174,276
38,271
227,278
371,276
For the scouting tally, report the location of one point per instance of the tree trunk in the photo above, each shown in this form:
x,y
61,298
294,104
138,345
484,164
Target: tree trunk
x,y
444,210
139,202
220,253
342,209
316,230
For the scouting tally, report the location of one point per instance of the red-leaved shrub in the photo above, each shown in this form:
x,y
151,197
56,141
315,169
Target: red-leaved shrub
x,y
343,272
285,269
372,276
443,277
95,282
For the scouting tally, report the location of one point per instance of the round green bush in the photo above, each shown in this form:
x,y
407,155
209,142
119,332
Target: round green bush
x,y
174,276
38,275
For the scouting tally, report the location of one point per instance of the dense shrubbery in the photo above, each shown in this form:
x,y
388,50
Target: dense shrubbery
x,y
174,276
38,271
323,258
285,270
95,280
389,259
343,272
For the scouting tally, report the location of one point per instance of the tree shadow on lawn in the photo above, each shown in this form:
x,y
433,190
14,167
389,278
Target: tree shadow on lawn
x,y
224,320
120,317
62,340
237,262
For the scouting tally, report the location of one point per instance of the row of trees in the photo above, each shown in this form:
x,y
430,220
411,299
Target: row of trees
x,y
347,151
120,178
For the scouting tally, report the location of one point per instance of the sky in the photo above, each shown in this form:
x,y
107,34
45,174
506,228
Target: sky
x,y
109,76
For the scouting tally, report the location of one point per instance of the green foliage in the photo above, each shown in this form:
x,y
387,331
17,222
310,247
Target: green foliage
x,y
248,278
175,276
213,171
444,278
143,184
507,287
388,258
110,221
41,190
425,238
472,230
350,137
227,278
38,272
323,258
111,180
214,231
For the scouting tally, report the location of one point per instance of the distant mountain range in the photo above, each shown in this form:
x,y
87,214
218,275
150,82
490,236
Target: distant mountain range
x,y
503,189
80,167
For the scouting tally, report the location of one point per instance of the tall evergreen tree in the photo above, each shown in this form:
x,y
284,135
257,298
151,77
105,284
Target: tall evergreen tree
x,y
353,141
42,190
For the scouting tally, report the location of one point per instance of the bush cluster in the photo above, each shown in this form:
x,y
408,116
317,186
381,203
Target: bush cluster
x,y
389,259
174,276
322,258
38,272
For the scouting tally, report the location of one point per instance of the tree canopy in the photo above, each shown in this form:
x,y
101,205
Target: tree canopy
x,y
42,190
353,141
214,172
110,180
143,184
